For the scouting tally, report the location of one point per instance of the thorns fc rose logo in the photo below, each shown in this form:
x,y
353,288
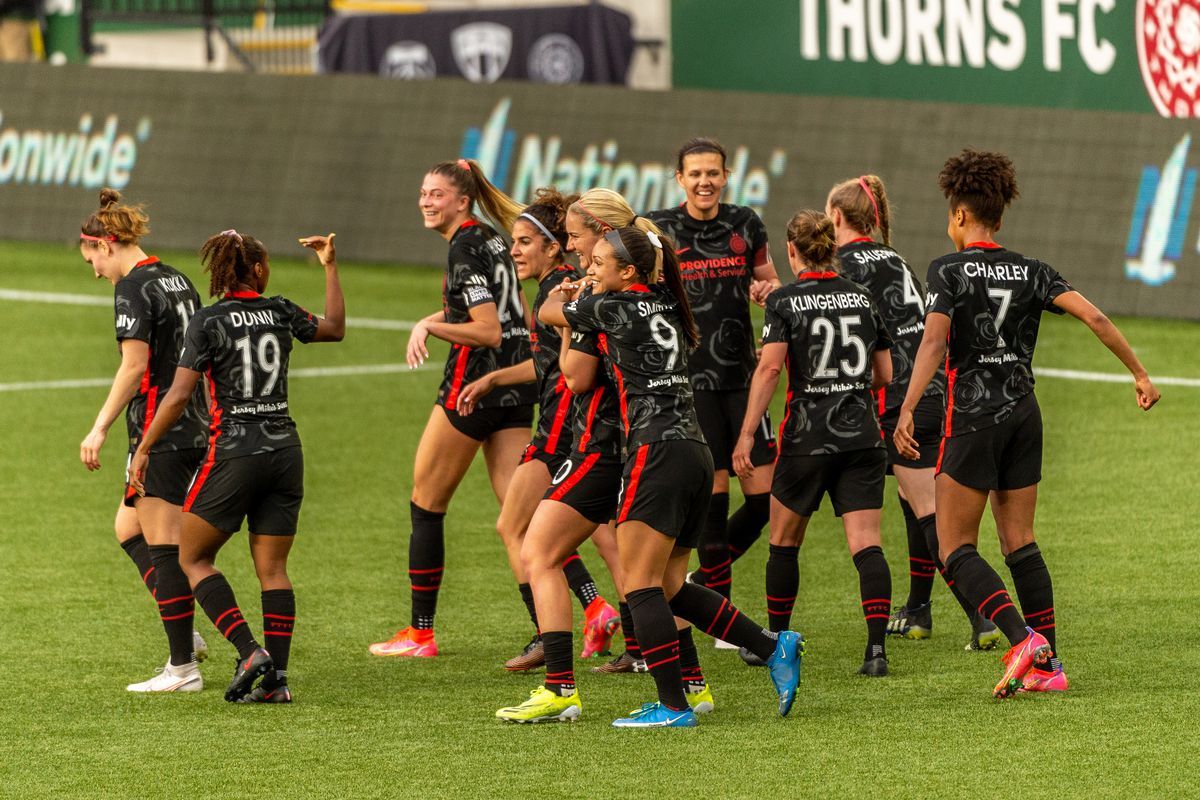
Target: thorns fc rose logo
x,y
737,244
1168,40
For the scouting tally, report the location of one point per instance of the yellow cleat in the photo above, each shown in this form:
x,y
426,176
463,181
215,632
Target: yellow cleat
x,y
701,702
544,705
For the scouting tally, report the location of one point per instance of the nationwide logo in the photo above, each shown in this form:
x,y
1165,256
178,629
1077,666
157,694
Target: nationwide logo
x,y
1160,216
1168,42
520,168
89,157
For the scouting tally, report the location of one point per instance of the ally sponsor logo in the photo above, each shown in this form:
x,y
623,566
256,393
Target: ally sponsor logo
x,y
1160,216
89,156
522,167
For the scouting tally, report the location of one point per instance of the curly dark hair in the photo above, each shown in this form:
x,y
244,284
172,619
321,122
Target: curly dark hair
x,y
229,258
984,183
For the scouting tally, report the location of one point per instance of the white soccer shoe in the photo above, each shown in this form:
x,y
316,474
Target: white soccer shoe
x,y
170,678
721,644
199,646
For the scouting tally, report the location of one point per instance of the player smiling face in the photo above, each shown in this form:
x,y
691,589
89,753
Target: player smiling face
x,y
703,177
443,208
604,271
531,252
580,238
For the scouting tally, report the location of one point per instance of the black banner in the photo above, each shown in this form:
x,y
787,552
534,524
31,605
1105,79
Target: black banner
x,y
559,44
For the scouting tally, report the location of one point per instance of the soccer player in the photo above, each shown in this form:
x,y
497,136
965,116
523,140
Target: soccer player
x,y
837,349
153,303
539,253
254,468
483,317
983,310
859,207
644,330
725,259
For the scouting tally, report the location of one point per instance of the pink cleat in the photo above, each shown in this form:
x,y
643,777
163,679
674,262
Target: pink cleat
x,y
410,642
1040,680
601,622
1032,651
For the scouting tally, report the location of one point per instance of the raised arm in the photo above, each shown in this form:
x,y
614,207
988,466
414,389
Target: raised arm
x,y
1079,307
135,356
331,327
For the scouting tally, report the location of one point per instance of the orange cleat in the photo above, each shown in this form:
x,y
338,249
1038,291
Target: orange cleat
x,y
601,622
1040,680
409,642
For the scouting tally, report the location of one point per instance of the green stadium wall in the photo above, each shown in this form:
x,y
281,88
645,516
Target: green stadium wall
x,y
1107,197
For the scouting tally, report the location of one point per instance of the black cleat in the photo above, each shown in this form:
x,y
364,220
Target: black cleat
x,y
279,694
246,672
750,659
874,667
912,623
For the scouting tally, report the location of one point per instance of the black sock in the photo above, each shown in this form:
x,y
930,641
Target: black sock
x,y
176,607
929,527
215,596
875,587
527,598
713,551
1031,580
631,642
660,644
981,585
689,662
783,584
279,618
580,580
135,547
720,619
426,563
921,564
746,524
560,664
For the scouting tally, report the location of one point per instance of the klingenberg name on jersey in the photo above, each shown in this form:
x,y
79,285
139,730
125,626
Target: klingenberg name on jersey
x,y
996,272
825,302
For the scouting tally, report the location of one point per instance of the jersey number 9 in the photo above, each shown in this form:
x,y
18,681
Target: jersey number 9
x,y
666,337
268,362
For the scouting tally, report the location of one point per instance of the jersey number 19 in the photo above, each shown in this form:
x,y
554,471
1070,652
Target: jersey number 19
x,y
268,362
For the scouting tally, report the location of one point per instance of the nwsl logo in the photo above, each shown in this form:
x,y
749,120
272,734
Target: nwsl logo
x,y
1160,218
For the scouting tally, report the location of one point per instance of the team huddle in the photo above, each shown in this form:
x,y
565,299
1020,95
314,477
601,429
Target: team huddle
x,y
651,394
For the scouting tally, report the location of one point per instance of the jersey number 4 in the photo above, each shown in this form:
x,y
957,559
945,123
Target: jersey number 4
x,y
823,328
267,351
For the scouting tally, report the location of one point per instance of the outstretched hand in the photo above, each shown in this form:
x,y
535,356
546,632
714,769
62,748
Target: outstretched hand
x,y
323,247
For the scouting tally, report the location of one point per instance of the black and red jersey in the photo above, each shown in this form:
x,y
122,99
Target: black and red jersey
x,y
480,270
640,333
717,257
831,328
995,299
598,427
556,404
153,304
899,298
243,342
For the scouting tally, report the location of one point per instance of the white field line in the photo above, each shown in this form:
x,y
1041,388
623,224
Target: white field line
x,y
1110,377
58,298
300,372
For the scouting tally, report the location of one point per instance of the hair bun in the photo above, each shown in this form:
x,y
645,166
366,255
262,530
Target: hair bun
x,y
109,197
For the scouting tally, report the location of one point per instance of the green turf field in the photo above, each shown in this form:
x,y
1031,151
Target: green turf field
x,y
1116,522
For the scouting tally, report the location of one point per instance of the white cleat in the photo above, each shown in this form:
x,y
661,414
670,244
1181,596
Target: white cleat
x,y
721,644
170,678
199,646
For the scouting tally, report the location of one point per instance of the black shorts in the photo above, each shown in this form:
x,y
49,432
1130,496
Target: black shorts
x,y
266,488
667,485
483,422
854,481
1004,456
928,425
553,461
588,483
720,415
168,475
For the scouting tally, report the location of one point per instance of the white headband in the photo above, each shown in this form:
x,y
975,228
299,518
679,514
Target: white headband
x,y
545,231
654,240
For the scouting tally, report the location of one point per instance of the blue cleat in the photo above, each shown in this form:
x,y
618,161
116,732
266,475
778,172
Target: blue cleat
x,y
784,665
656,715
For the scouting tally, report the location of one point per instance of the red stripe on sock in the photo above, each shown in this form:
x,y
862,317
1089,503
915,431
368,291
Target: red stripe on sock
x,y
730,625
416,588
231,627
193,613
426,571
277,633
666,660
277,616
1044,627
234,610
720,611
660,647
998,610
993,594
1039,613
174,599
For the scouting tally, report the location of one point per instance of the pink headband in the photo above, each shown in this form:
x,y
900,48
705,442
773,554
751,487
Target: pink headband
x,y
233,233
97,238
464,164
871,196
599,221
